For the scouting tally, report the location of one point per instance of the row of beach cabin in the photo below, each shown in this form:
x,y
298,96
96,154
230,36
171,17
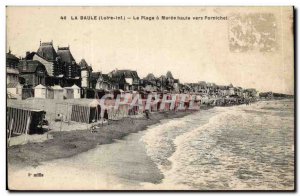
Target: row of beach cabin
x,y
57,92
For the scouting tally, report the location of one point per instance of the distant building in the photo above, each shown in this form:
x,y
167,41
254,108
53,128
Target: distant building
x,y
169,81
60,66
13,86
162,83
86,75
250,93
223,90
149,83
125,79
266,95
176,87
47,55
71,69
12,72
33,72
101,81
231,89
186,88
86,72
238,91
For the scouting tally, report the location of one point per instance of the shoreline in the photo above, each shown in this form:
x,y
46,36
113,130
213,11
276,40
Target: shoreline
x,y
65,144
108,161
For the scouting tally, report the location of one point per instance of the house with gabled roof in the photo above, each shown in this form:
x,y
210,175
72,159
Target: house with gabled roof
x,y
60,65
33,72
149,83
12,72
86,71
125,79
47,56
72,71
13,86
100,81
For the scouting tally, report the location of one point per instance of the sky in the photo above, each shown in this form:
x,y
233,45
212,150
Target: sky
x,y
253,48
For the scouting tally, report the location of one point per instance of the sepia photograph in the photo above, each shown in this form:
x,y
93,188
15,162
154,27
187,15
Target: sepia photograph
x,y
184,98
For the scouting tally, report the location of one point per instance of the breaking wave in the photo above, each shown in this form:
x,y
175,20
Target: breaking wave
x,y
240,147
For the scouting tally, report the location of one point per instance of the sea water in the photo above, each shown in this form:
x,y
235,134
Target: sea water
x,y
240,147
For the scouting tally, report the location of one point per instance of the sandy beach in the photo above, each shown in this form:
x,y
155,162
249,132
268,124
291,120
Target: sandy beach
x,y
118,141
65,144
205,150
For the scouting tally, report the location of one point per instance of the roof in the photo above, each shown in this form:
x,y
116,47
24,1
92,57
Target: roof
x,y
162,77
118,74
11,57
48,64
75,86
65,54
30,55
47,51
95,75
83,63
169,75
12,85
126,73
222,87
29,66
40,86
57,87
150,76
250,90
202,84
106,77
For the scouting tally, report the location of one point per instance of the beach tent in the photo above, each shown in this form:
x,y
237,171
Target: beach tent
x,y
14,90
40,91
86,111
68,93
58,92
72,92
76,91
117,92
49,93
24,120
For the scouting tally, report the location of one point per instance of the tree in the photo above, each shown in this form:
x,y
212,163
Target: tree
x,y
150,77
169,75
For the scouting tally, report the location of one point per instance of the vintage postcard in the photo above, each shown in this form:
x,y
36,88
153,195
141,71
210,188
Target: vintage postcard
x,y
150,98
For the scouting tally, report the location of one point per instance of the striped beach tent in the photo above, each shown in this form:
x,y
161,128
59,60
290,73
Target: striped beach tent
x,y
18,121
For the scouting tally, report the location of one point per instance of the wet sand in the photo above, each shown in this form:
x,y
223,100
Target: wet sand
x,y
123,164
66,144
